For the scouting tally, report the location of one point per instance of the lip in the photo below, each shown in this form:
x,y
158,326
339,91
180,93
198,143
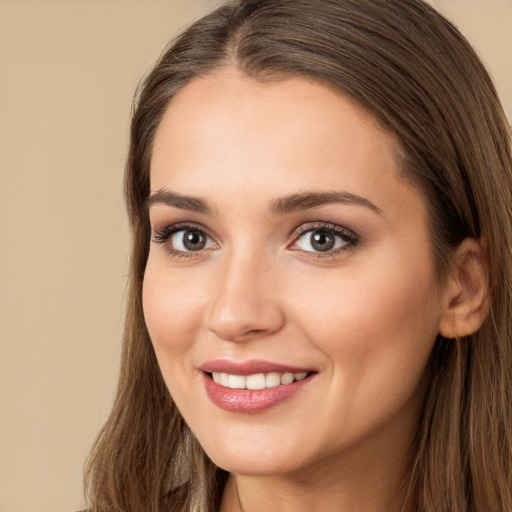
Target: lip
x,y
250,367
249,401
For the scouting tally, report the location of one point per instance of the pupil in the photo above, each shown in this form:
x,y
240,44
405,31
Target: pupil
x,y
193,240
322,240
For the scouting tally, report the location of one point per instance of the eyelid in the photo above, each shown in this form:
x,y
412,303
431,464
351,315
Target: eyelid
x,y
328,226
350,236
163,236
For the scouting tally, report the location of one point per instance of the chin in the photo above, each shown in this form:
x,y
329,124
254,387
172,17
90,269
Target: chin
x,y
254,457
252,466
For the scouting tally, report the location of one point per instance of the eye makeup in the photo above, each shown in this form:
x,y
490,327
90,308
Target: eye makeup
x,y
317,239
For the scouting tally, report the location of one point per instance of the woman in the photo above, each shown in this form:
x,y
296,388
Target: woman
x,y
320,301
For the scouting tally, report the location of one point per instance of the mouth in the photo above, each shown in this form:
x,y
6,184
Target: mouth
x,y
254,386
256,381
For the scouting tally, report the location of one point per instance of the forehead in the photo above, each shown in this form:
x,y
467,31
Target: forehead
x,y
228,91
292,134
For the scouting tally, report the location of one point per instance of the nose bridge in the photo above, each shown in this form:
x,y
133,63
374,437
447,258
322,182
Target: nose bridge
x,y
245,303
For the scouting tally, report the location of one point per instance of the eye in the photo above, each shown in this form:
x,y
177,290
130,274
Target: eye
x,y
189,240
181,239
323,239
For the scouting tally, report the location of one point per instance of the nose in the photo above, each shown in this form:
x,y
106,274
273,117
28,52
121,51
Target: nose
x,y
246,303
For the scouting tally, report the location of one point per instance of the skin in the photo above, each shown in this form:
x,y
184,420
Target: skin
x,y
365,317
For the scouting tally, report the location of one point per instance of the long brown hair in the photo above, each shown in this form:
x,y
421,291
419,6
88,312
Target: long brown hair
x,y
418,76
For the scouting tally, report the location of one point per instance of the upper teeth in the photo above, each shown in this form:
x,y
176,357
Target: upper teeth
x,y
256,381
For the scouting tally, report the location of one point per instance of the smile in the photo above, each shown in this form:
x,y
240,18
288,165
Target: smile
x,y
253,386
257,380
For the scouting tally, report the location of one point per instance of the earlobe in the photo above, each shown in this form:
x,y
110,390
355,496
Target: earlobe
x,y
465,296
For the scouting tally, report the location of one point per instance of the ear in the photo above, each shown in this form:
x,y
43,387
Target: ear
x,y
465,295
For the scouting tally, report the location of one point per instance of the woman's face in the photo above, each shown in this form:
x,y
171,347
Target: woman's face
x,y
286,246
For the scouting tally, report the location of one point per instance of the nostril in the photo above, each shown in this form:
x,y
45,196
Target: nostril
x,y
254,331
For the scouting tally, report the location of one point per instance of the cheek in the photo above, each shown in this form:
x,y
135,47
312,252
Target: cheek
x,y
377,328
171,309
351,303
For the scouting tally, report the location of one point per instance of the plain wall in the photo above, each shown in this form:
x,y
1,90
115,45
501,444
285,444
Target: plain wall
x,y
68,70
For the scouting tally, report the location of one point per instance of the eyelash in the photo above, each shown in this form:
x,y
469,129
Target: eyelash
x,y
350,238
163,236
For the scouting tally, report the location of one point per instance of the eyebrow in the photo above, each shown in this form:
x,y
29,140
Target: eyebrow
x,y
307,200
169,198
281,206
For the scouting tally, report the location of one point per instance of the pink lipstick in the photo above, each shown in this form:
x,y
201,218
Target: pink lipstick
x,y
252,386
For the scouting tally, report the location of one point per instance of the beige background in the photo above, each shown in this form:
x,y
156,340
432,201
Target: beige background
x,y
68,69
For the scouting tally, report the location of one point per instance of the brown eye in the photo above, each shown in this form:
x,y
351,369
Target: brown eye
x,y
322,240
187,240
194,240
